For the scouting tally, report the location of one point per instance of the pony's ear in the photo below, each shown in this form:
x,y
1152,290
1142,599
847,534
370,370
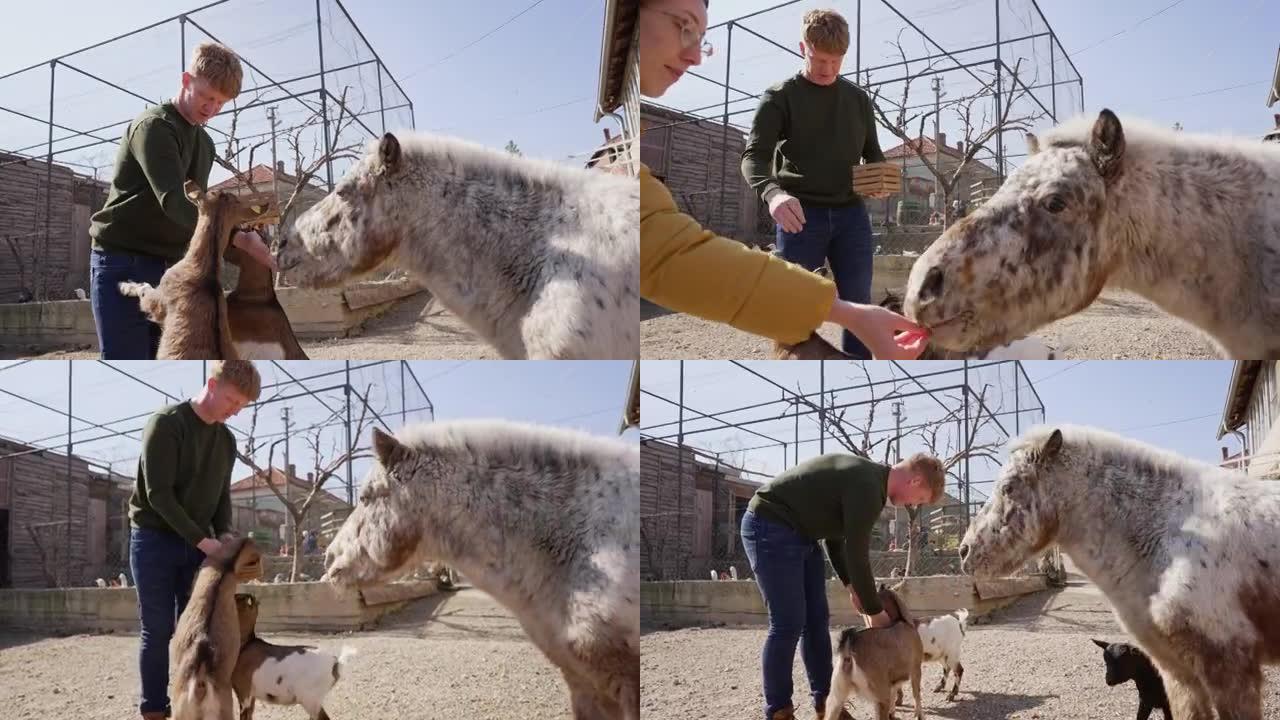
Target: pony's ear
x,y
387,448
1033,144
1101,644
1106,144
1051,446
389,152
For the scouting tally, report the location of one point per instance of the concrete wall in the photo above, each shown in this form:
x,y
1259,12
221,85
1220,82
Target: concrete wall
x,y
701,602
314,314
292,607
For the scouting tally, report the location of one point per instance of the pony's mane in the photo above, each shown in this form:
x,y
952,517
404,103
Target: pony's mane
x,y
1144,135
1084,440
505,441
469,158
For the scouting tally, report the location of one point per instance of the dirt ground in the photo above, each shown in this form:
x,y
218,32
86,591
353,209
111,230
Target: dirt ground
x,y
414,329
1117,326
1032,660
458,654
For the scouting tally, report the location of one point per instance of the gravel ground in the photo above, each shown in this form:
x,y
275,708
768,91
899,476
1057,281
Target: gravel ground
x,y
1032,660
414,329
452,655
1117,326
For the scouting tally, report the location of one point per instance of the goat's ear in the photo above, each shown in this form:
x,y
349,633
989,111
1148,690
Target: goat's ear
x,y
1033,144
1106,144
1101,644
388,449
193,191
389,152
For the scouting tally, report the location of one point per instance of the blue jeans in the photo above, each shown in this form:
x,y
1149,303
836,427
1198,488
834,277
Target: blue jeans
x,y
790,570
843,236
164,567
124,332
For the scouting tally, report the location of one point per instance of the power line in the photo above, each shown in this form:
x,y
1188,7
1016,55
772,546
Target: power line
x,y
1214,91
1078,363
1171,422
455,53
1131,27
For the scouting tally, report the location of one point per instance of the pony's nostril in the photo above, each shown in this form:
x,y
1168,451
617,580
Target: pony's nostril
x,y
931,288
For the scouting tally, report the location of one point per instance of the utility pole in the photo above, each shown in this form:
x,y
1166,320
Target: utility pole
x,y
288,481
897,431
936,84
275,179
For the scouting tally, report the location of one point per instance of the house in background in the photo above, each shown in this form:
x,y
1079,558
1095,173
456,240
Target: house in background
x,y
33,199
63,523
256,504
918,180
695,158
619,84
1249,414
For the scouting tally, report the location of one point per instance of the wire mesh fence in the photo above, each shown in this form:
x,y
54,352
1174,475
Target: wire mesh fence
x,y
312,83
717,431
71,436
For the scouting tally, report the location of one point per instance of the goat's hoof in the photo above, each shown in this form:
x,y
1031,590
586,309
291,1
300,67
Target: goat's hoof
x,y
951,697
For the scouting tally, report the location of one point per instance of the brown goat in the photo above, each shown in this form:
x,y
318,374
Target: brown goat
x,y
189,303
260,329
206,643
875,662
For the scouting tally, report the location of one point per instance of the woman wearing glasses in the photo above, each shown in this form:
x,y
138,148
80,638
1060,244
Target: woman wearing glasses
x,y
691,270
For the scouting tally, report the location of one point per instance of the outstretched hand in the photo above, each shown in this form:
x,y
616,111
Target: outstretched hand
x,y
888,335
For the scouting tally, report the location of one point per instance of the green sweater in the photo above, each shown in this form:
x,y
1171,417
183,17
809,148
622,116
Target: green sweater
x,y
806,138
184,475
834,498
147,211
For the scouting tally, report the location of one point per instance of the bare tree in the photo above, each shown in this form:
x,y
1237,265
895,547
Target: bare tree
x,y
323,469
978,130
838,423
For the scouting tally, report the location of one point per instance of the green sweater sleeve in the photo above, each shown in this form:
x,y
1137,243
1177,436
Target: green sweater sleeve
x,y
160,461
871,151
155,147
222,516
859,521
757,156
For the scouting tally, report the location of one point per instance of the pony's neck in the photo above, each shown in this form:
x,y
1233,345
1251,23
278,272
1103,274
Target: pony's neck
x,y
477,265
1162,219
1105,525
479,533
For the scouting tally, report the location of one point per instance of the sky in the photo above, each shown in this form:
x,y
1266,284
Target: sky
x,y
1172,404
1206,65
492,72
588,396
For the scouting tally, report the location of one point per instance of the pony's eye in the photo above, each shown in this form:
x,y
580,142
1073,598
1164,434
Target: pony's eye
x,y
1055,204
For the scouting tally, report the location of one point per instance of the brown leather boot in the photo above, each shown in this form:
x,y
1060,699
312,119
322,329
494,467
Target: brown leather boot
x,y
785,713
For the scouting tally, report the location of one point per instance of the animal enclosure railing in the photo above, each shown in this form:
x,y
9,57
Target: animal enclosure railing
x,y
312,83
715,431
79,453
1000,58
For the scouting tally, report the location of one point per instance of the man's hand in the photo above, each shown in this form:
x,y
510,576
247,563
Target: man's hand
x,y
252,244
209,547
880,620
878,195
786,211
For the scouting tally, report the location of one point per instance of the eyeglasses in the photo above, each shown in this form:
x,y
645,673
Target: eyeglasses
x,y
689,36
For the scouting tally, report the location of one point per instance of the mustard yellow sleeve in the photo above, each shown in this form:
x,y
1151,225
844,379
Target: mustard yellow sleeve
x,y
691,270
